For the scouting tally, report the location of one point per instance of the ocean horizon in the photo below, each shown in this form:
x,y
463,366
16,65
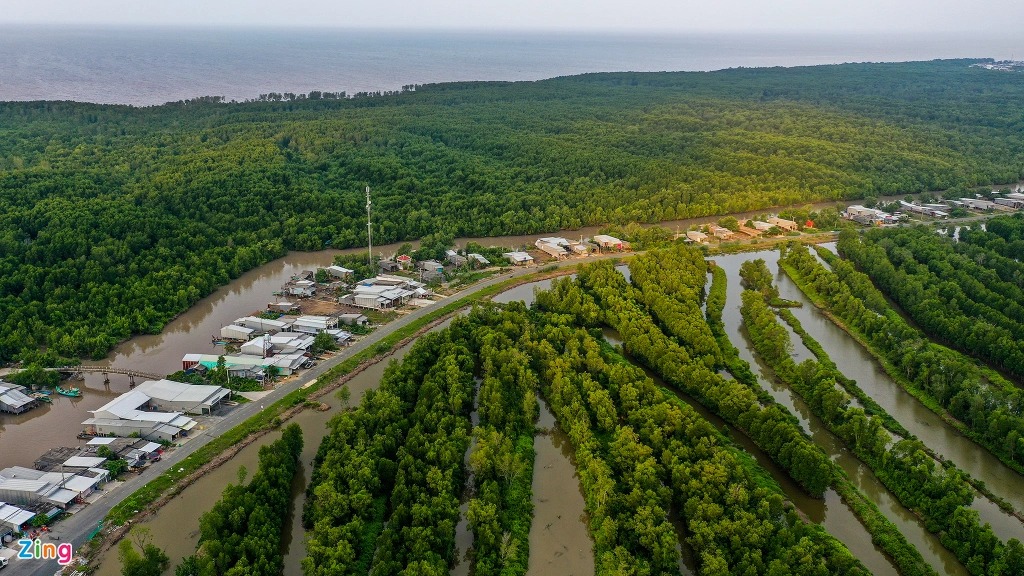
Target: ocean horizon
x,y
146,66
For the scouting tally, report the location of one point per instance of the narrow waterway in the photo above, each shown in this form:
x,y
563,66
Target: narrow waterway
x,y
856,362
860,475
560,543
463,534
830,512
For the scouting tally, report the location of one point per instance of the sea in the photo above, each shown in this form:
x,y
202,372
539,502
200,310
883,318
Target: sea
x,y
146,66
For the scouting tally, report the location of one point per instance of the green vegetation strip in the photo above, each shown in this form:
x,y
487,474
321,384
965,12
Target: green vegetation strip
x,y
269,417
896,374
938,494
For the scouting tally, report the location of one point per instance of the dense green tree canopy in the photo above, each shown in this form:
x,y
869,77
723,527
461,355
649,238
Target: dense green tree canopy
x,y
113,219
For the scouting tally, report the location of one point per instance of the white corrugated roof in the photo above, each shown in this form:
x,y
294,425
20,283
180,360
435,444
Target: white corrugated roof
x,y
84,461
100,441
124,404
62,496
171,391
80,483
25,485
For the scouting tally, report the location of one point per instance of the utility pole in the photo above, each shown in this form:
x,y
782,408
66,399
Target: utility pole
x,y
369,230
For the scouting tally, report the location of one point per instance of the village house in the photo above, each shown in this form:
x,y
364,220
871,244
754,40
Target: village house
x,y
518,258
787,225
610,242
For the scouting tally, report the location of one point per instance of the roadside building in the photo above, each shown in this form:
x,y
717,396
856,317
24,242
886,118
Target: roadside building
x,y
609,242
133,413
787,225
518,258
431,266
14,399
313,324
698,237
377,297
282,306
479,259
1011,203
977,204
262,325
762,226
339,272
552,250
579,248
454,258
236,332
750,232
353,319
27,487
388,266
289,342
13,518
720,232
404,261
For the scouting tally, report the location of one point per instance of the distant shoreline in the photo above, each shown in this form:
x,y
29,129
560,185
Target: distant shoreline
x,y
153,65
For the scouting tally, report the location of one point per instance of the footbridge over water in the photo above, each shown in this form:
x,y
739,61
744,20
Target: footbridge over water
x,y
107,371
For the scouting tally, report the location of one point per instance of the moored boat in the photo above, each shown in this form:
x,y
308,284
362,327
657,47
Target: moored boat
x,y
72,392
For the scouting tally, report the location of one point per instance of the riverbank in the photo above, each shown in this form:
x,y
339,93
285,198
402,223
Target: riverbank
x,y
177,475
908,386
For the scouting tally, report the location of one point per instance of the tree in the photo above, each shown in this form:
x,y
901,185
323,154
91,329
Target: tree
x,y
730,222
322,343
152,561
116,467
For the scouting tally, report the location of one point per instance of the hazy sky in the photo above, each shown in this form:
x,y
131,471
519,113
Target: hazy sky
x,y
992,16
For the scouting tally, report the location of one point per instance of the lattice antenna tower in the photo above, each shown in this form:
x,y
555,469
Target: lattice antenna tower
x,y
369,229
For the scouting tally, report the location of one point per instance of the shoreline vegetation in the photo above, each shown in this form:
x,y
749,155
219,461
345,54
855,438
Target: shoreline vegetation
x,y
897,375
158,492
114,219
150,497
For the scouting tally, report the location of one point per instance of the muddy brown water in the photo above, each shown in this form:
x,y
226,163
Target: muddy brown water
x,y
26,437
560,543
857,363
943,561
175,527
830,512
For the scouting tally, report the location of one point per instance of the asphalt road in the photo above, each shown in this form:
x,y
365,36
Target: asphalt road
x,y
76,528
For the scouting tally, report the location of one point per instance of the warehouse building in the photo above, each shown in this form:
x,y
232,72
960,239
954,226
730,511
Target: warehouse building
x,y
14,400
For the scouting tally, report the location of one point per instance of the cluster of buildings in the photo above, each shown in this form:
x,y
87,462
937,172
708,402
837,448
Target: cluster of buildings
x,y
756,229
559,248
386,291
63,477
874,217
282,342
869,216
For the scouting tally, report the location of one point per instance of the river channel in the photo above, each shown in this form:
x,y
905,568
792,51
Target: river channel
x,y
856,362
830,512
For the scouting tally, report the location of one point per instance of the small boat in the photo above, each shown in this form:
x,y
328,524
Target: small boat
x,y
43,391
72,392
42,397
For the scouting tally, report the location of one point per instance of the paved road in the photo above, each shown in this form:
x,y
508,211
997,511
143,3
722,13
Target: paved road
x,y
76,528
